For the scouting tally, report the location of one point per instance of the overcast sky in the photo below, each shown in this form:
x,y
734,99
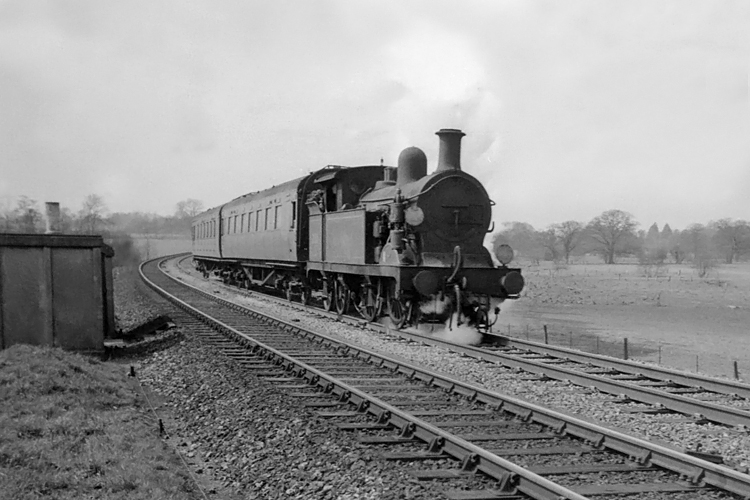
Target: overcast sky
x,y
570,108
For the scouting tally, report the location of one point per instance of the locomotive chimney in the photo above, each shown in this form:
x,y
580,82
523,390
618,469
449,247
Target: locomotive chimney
x,y
52,212
450,149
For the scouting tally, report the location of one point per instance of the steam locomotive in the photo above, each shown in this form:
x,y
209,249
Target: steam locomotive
x,y
380,240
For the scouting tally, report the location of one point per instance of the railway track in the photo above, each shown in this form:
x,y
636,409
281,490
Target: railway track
x,y
643,388
443,428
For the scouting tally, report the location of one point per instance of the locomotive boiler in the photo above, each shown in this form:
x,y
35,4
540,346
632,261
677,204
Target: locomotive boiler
x,y
383,241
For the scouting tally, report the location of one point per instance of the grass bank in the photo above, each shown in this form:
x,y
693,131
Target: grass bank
x,y
72,427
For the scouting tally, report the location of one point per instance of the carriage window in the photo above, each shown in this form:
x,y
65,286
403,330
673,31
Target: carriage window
x,y
242,222
294,214
249,221
257,220
268,216
276,216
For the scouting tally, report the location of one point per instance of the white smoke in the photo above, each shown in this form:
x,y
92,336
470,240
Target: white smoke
x,y
460,334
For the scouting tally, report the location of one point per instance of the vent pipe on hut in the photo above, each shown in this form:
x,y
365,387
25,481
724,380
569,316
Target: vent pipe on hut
x,y
52,217
449,157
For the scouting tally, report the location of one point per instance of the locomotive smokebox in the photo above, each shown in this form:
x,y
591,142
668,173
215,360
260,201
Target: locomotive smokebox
x,y
412,166
450,149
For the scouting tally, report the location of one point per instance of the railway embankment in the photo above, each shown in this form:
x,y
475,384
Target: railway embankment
x,y
74,427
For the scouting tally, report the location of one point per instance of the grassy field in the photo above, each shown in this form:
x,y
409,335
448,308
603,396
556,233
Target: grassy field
x,y
151,247
669,314
73,428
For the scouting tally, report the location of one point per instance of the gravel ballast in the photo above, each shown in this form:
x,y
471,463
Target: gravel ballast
x,y
240,429
732,444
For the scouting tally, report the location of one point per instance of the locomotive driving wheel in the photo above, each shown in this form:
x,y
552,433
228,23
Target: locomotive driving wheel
x,y
328,298
342,297
368,303
400,310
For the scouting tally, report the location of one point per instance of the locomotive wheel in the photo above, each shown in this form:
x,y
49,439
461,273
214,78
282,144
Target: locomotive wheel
x,y
342,297
328,300
304,295
380,299
368,304
398,313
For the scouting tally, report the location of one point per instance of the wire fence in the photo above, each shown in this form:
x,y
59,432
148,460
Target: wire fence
x,y
668,355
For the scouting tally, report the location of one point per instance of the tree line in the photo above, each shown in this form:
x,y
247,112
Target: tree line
x,y
614,234
93,217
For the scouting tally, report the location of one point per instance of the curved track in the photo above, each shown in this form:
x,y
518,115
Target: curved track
x,y
659,389
457,428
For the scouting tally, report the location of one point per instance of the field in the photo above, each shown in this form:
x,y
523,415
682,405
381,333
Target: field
x,y
152,246
668,314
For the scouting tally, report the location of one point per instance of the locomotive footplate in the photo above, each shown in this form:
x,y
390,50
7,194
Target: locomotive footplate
x,y
432,280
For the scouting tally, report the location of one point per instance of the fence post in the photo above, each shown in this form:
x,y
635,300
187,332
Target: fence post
x,y
546,341
625,348
736,371
696,363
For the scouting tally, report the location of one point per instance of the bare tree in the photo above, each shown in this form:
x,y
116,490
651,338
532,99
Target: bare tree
x,y
548,239
188,208
569,234
610,230
732,238
672,241
697,238
27,217
654,249
91,215
7,218
522,237
67,220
